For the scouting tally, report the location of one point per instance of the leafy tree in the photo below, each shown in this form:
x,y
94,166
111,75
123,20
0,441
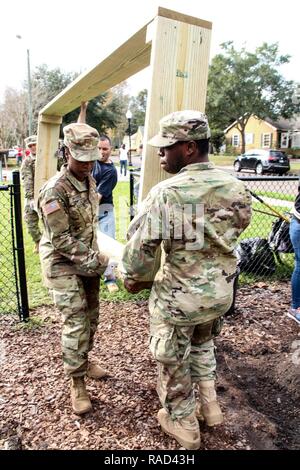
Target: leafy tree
x,y
105,112
217,139
242,83
46,84
13,118
138,108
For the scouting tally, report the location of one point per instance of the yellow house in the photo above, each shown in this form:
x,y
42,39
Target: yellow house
x,y
265,134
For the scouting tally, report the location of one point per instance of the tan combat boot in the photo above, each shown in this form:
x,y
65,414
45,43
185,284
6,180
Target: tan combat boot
x,y
95,372
208,408
79,398
186,430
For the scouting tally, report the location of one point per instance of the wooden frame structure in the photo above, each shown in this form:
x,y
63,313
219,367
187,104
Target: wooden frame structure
x,y
176,47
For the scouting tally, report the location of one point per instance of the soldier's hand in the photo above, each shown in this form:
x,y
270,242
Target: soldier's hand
x,y
84,105
136,286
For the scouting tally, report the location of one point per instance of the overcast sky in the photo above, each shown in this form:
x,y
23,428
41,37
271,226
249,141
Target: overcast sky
x,y
76,36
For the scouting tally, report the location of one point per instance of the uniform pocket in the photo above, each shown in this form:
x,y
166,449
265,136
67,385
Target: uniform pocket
x,y
70,343
163,343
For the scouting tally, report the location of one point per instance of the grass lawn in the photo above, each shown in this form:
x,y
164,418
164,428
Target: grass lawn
x,y
222,160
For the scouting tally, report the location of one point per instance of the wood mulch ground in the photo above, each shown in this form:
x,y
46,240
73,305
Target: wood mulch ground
x,y
258,381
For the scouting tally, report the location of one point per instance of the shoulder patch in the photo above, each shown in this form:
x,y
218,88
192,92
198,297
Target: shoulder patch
x,y
50,207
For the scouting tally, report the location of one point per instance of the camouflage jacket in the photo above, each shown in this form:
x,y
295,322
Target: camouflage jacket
x,y
196,217
69,213
27,175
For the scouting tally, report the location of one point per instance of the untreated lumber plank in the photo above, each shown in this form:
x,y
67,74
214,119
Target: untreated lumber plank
x,y
177,48
46,161
128,59
179,71
174,15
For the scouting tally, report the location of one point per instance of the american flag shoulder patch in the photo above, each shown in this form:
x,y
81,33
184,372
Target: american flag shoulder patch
x,y
50,207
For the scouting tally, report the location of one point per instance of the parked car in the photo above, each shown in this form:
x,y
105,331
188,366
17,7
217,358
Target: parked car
x,y
263,161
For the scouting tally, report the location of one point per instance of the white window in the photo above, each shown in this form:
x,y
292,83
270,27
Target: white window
x,y
235,140
296,140
266,140
284,140
249,138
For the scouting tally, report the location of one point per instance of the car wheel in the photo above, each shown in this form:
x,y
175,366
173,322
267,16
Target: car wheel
x,y
237,166
259,169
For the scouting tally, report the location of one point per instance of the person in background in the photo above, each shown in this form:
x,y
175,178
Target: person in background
x,y
70,258
19,156
106,177
195,217
123,159
27,175
294,311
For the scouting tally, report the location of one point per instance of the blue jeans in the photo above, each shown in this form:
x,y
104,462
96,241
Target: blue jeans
x,y
295,239
107,225
106,220
123,164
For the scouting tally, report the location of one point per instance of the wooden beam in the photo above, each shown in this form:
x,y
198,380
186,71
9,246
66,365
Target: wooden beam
x,y
179,71
174,15
47,146
177,48
128,59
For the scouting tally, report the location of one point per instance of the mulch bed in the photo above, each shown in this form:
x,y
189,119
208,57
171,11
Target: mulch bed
x,y
258,381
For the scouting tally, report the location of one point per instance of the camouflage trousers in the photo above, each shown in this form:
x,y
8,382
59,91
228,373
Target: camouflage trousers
x,y
77,298
32,221
185,356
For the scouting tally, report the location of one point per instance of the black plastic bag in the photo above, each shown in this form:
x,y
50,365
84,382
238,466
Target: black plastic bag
x,y
279,238
255,256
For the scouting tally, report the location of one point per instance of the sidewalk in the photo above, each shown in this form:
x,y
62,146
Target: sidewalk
x,y
122,177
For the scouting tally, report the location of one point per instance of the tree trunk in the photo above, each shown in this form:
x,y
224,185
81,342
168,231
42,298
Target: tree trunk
x,y
241,127
243,141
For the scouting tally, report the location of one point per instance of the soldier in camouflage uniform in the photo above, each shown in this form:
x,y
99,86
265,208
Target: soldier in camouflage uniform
x,y
27,175
70,258
195,218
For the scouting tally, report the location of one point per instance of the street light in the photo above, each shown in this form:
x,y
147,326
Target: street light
x,y
129,117
29,90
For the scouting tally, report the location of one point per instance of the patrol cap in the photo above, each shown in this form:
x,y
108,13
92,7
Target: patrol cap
x,y
82,141
31,140
181,126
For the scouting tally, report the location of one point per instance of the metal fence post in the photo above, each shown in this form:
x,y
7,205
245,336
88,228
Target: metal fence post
x,y
24,314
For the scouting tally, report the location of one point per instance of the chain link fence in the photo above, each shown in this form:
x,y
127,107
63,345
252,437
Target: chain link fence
x,y
13,287
9,298
265,250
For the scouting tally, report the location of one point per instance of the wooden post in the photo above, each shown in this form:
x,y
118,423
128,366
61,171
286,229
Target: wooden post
x,y
46,161
179,71
177,48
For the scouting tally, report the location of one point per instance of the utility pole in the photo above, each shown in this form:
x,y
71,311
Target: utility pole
x,y
29,95
29,90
